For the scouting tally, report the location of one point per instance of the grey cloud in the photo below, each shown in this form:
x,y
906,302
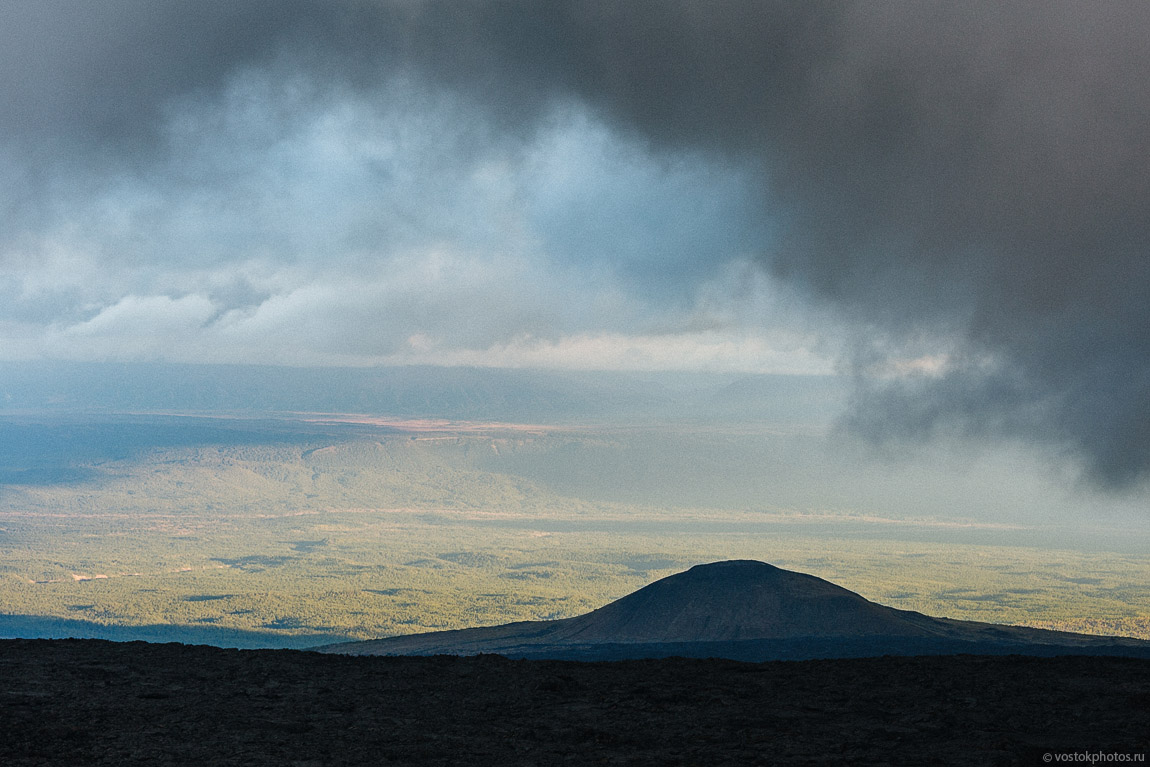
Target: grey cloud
x,y
962,176
102,73
972,173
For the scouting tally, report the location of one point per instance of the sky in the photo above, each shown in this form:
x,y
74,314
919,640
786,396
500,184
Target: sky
x,y
944,203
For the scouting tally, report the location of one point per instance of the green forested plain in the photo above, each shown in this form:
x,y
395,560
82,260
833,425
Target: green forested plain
x,y
371,530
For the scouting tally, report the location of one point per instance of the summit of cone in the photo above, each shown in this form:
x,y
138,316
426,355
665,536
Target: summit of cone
x,y
733,601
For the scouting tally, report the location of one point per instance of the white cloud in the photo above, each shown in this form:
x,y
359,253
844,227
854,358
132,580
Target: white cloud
x,y
156,314
135,327
711,351
337,231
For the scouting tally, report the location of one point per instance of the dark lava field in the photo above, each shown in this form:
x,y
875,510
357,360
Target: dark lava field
x,y
89,702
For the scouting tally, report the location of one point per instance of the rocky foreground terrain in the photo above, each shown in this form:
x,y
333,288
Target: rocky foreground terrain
x,y
81,702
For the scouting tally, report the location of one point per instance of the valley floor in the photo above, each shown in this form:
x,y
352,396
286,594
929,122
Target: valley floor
x,y
66,702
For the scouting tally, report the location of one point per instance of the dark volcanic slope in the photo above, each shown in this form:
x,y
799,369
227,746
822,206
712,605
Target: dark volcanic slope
x,y
744,610
90,702
731,601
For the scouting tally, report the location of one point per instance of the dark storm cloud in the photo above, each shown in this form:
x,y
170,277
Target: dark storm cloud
x,y
92,78
961,179
102,72
967,178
